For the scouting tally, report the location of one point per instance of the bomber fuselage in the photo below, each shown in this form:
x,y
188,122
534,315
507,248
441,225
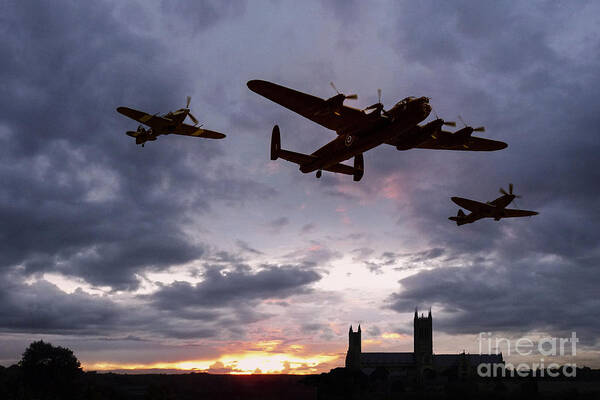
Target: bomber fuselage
x,y
402,117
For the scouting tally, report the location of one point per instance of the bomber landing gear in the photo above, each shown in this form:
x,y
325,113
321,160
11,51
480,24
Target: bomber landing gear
x,y
319,173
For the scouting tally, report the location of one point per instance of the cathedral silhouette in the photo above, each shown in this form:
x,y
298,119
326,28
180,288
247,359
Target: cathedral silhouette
x,y
422,362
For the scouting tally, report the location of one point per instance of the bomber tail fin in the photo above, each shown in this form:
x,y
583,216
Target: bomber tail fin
x,y
359,167
459,219
275,143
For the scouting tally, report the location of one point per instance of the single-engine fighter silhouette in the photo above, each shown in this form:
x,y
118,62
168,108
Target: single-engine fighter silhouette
x,y
170,123
362,130
492,209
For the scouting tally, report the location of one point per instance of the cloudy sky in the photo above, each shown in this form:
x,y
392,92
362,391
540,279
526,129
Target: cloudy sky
x,y
193,253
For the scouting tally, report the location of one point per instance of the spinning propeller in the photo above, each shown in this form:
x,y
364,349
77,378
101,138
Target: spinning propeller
x,y
377,106
444,122
510,191
478,129
348,97
189,113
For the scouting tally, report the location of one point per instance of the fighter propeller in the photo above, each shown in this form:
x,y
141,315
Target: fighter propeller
x,y
187,109
510,191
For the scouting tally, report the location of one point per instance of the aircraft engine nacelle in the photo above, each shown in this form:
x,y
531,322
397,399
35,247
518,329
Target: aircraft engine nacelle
x,y
332,105
418,135
463,133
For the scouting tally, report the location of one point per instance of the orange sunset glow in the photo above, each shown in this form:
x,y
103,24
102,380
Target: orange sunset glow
x,y
250,362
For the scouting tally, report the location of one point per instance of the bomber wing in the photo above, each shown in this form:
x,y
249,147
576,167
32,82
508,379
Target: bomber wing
x,y
311,107
189,130
471,205
473,144
508,213
153,121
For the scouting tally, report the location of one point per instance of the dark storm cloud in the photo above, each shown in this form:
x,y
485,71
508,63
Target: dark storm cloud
x,y
222,305
221,288
43,308
555,296
194,16
78,196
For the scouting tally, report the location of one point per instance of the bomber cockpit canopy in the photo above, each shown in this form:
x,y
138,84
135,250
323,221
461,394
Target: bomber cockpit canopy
x,y
405,101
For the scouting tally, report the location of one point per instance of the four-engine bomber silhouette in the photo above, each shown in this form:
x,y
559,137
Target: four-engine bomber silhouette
x,y
492,209
359,130
170,123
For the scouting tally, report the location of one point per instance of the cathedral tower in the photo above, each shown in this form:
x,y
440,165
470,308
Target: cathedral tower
x,y
423,341
354,349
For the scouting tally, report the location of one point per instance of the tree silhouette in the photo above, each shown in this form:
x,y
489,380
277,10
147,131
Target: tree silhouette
x,y
50,371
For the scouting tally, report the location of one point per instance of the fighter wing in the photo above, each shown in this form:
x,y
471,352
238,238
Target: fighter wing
x,y
472,144
189,130
153,121
508,213
311,107
471,205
